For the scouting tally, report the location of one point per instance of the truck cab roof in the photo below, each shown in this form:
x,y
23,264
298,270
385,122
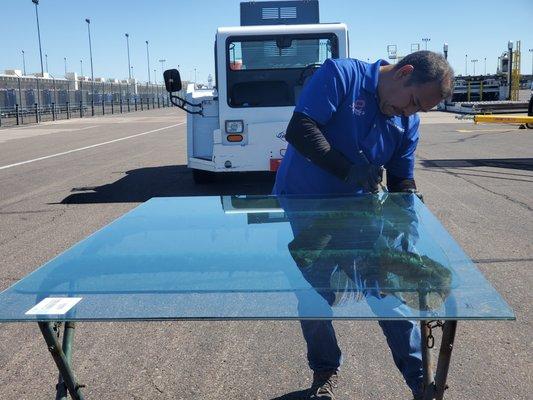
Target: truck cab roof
x,y
279,29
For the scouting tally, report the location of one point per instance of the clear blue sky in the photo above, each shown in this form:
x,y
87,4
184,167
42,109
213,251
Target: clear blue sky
x,y
182,32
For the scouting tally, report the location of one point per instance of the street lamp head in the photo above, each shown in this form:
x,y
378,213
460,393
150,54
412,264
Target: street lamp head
x,y
445,46
147,42
35,2
127,34
510,45
87,20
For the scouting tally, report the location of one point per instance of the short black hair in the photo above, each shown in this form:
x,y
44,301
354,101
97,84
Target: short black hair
x,y
429,67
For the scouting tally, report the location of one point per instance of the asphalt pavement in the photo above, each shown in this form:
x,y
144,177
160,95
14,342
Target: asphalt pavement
x,y
61,181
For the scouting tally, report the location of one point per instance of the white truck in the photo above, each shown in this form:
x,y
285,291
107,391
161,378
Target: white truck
x,y
239,125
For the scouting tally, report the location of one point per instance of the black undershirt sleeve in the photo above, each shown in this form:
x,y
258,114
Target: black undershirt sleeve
x,y
306,137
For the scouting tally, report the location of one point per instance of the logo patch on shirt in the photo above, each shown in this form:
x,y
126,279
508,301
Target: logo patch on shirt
x,y
358,107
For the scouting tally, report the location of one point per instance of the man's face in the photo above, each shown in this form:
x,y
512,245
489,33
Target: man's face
x,y
399,98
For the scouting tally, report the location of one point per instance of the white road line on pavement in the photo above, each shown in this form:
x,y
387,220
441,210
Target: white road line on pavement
x,y
89,147
87,127
487,130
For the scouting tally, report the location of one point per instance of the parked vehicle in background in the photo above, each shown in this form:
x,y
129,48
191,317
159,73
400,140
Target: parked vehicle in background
x,y
261,68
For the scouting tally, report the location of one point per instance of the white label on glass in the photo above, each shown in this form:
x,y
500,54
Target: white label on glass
x,y
53,305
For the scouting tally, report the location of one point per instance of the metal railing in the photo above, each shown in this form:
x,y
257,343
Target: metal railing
x,y
52,112
25,100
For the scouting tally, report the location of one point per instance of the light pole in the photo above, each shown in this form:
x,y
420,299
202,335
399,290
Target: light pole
x,y
195,77
415,47
46,61
466,64
485,66
155,79
474,61
81,82
36,2
445,49
510,48
65,59
162,61
23,63
148,60
426,40
531,51
128,46
91,55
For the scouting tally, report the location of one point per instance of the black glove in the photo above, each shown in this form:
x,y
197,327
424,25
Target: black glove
x,y
366,176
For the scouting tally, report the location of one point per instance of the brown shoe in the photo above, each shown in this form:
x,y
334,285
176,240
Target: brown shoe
x,y
323,385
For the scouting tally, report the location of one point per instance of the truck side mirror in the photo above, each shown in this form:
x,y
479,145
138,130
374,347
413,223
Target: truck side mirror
x,y
172,80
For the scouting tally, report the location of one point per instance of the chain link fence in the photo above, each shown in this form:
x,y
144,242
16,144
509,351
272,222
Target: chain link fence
x,y
26,100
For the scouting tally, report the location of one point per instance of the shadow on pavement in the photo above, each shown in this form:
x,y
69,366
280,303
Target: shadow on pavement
x,y
298,395
509,163
142,184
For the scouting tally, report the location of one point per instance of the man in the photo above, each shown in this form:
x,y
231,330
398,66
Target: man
x,y
352,121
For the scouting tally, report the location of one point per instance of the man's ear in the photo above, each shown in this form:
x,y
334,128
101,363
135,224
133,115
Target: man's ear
x,y
403,72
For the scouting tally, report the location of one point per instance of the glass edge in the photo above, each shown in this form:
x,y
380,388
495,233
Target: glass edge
x,y
215,319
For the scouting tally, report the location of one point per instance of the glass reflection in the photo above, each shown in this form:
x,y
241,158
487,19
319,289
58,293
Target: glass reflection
x,y
366,249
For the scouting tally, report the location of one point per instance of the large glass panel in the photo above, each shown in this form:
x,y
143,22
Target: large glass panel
x,y
262,257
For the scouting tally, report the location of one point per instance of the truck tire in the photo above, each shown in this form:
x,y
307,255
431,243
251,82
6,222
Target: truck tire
x,y
202,177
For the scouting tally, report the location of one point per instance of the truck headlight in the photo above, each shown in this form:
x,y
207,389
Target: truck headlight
x,y
236,126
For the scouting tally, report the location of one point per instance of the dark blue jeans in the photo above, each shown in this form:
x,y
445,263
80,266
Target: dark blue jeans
x,y
403,336
323,352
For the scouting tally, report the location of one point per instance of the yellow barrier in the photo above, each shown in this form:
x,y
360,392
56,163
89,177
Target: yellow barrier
x,y
503,119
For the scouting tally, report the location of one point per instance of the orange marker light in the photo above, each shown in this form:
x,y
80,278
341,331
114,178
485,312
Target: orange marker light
x,y
234,138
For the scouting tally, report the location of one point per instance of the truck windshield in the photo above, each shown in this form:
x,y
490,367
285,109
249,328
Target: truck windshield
x,y
270,71
278,53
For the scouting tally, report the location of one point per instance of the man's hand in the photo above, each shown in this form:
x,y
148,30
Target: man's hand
x,y
415,192
366,176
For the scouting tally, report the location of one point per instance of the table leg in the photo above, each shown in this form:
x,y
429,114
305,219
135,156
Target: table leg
x,y
445,353
426,361
68,336
435,389
61,360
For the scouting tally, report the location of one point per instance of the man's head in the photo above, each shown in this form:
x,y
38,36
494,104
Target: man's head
x,y
417,83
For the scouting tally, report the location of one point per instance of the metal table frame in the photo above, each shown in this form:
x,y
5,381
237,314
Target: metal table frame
x,y
434,384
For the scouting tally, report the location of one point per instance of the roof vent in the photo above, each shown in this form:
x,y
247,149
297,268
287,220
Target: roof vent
x,y
287,12
270,13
